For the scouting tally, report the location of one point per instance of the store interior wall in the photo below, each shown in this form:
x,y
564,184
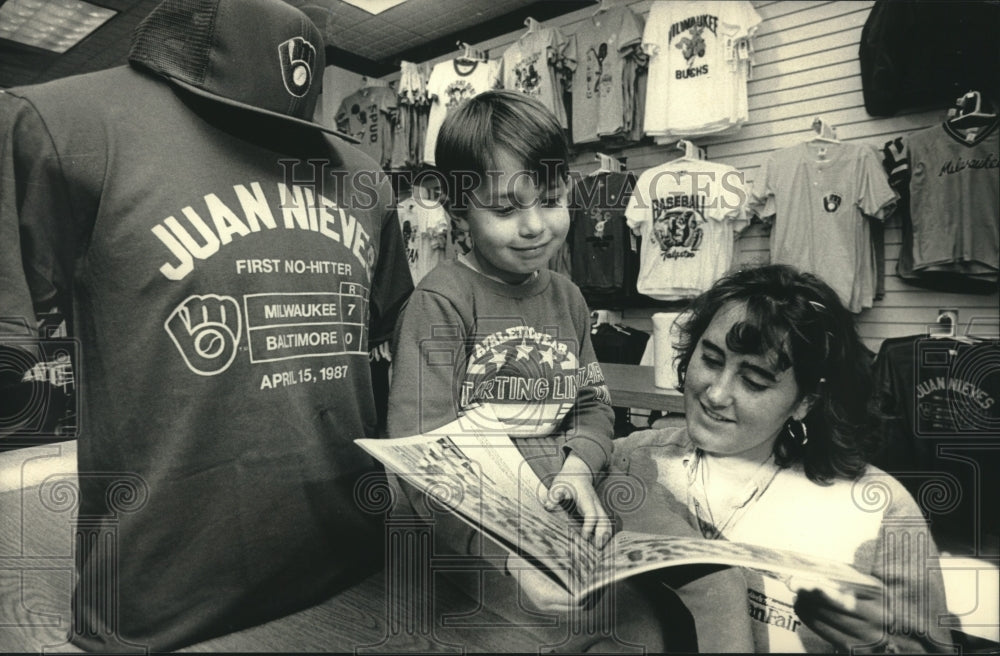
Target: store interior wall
x,y
806,65
338,83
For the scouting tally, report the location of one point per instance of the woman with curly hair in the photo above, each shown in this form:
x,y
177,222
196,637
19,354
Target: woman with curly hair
x,y
779,430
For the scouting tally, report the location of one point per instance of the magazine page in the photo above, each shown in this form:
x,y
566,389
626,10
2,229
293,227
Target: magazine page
x,y
473,468
632,553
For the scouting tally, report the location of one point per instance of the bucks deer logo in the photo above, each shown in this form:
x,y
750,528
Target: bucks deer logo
x,y
692,46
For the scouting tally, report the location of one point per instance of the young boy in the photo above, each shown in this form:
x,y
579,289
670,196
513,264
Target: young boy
x,y
498,327
516,334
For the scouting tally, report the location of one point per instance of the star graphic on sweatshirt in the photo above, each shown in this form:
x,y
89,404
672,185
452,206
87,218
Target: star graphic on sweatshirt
x,y
569,362
523,352
548,357
498,359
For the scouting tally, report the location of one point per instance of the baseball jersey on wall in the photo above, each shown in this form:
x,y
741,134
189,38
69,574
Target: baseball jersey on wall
x,y
450,83
699,61
951,222
369,115
687,214
818,194
598,51
532,66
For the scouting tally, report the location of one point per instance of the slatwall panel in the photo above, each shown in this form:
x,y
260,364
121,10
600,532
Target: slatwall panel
x,y
806,66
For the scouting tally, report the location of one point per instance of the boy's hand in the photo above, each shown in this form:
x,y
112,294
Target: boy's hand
x,y
574,483
542,591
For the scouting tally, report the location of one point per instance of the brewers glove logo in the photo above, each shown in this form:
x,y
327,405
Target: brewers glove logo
x,y
831,202
206,330
297,59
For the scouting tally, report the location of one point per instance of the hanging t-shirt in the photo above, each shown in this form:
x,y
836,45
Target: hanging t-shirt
x,y
699,61
450,83
686,213
369,115
531,65
414,108
598,51
818,193
425,226
941,398
951,179
604,264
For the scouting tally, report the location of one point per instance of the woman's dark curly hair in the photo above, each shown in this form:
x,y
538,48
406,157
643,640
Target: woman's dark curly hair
x,y
798,321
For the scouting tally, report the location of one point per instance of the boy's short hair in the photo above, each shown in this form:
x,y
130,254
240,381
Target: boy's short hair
x,y
478,130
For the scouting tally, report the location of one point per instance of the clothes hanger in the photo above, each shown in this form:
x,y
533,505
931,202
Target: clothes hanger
x,y
605,6
824,132
600,318
971,112
949,320
608,164
692,153
532,25
469,54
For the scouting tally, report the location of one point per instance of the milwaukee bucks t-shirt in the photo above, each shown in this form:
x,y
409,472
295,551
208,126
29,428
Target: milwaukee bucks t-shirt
x,y
699,61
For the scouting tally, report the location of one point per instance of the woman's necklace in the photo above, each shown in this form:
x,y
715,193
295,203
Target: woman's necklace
x,y
698,497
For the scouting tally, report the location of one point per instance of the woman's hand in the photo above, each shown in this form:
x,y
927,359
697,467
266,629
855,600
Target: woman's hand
x,y
574,483
845,618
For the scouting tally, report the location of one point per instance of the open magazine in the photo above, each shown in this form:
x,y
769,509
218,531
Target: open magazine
x,y
472,468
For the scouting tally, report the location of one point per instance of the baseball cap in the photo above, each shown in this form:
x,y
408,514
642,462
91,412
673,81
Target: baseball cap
x,y
264,56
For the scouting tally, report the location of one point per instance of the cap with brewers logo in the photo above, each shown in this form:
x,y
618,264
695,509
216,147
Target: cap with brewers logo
x,y
264,56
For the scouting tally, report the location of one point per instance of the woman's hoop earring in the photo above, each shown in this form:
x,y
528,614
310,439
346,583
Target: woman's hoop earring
x,y
797,429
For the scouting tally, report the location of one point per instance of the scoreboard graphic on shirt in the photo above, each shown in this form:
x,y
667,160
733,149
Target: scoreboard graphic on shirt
x,y
306,324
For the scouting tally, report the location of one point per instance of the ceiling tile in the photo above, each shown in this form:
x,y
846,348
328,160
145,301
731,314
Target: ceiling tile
x,y
416,30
